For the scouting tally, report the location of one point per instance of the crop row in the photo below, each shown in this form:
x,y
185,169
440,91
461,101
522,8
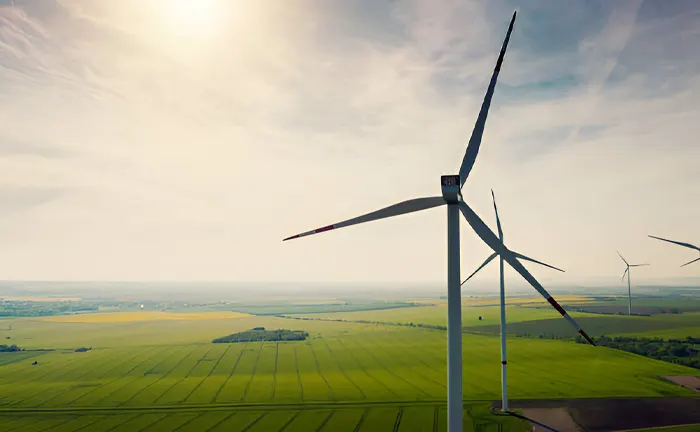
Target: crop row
x,y
364,419
396,364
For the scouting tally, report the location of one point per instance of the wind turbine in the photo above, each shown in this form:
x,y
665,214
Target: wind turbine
x,y
629,284
688,245
504,361
451,186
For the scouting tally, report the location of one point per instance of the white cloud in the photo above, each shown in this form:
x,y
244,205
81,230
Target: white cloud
x,y
186,157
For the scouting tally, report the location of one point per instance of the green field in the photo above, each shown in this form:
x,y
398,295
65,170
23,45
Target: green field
x,y
533,317
668,326
164,374
437,315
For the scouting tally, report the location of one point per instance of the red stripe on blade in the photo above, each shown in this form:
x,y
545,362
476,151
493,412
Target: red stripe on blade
x,y
325,228
291,238
556,306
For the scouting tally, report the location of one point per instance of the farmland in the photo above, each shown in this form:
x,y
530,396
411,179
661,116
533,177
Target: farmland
x,y
159,371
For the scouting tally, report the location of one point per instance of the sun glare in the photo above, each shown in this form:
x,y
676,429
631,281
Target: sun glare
x,y
194,16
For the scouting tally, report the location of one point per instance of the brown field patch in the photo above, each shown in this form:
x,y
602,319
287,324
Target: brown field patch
x,y
111,317
691,382
556,418
618,414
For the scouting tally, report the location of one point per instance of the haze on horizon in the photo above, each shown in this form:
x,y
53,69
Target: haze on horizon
x,y
182,140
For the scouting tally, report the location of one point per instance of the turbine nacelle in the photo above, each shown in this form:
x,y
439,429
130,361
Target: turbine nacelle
x,y
451,189
451,195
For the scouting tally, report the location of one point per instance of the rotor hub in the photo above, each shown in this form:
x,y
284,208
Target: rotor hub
x,y
451,188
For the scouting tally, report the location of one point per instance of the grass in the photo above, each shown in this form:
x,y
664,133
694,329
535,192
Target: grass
x,y
165,375
437,315
340,419
665,325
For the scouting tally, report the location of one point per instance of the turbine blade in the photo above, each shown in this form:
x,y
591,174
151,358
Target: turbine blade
x,y
488,260
690,262
478,132
625,273
404,207
498,219
638,265
623,259
485,233
521,256
688,245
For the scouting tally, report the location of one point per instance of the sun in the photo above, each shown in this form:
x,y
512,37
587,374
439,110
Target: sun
x,y
194,15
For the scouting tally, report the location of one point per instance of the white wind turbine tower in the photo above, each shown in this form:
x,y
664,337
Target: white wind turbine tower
x,y
504,360
629,284
688,245
452,197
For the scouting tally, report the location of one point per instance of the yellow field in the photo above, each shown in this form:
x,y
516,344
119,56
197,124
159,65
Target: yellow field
x,y
143,316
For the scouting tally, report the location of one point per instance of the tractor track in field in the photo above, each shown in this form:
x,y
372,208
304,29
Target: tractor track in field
x,y
400,378
158,379
255,369
325,342
325,420
296,366
233,370
150,356
69,369
130,381
366,372
65,373
188,422
288,422
595,415
187,375
89,424
358,426
274,374
153,423
412,368
184,408
121,423
397,422
318,369
254,422
208,375
441,360
21,426
215,425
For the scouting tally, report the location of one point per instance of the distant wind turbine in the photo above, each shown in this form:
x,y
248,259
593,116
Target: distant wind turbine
x,y
504,361
452,197
688,245
629,284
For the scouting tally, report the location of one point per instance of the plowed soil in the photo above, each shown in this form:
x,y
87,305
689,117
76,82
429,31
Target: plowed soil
x,y
614,414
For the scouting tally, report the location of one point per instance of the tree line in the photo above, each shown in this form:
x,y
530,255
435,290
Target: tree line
x,y
259,334
10,348
678,351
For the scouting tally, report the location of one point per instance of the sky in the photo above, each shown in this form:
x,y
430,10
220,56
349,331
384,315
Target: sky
x,y
183,139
